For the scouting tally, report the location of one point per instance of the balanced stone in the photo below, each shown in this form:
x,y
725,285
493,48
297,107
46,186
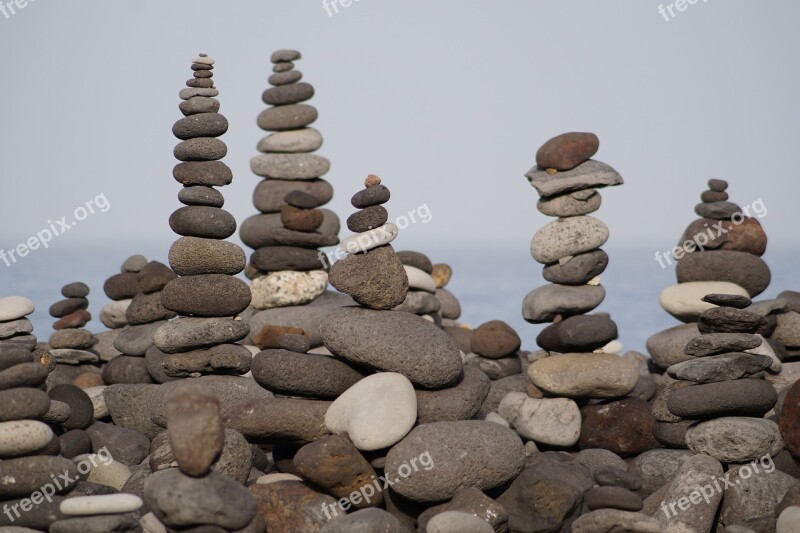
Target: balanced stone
x,y
23,403
495,339
288,117
200,149
301,219
570,205
461,402
746,270
555,421
201,195
24,437
201,221
567,237
545,303
190,256
207,173
199,104
578,270
279,258
588,175
592,375
200,295
299,374
196,431
186,334
718,210
290,166
376,279
270,195
741,397
374,195
285,78
735,439
568,150
579,333
367,219
200,125
730,320
717,343
368,240
725,367
288,94
728,300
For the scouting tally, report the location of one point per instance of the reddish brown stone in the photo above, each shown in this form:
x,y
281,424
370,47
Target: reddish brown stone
x,y
495,339
336,465
624,427
76,319
533,391
567,151
747,237
290,506
789,422
268,337
301,219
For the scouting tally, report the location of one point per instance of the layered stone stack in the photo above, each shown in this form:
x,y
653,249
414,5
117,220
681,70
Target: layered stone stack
x,y
121,288
70,344
205,294
15,329
144,316
421,298
287,268
719,253
567,180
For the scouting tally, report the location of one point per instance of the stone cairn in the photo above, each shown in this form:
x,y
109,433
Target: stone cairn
x,y
205,294
70,344
719,253
287,267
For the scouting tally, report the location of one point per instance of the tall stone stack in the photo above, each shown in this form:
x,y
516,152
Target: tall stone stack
x,y
71,342
567,180
719,253
287,268
205,294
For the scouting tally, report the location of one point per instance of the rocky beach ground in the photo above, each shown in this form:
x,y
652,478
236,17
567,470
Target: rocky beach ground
x,y
276,392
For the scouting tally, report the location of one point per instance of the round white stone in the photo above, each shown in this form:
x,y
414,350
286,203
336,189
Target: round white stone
x,y
362,242
376,412
15,307
554,421
285,288
101,504
113,315
419,279
683,301
22,437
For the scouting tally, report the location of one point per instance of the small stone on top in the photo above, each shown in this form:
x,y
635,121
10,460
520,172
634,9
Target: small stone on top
x,y
372,180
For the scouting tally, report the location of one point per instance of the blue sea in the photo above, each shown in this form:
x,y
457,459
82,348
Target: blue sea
x,y
489,284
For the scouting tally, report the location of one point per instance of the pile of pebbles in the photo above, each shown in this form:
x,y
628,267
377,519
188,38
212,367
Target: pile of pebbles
x,y
286,267
71,342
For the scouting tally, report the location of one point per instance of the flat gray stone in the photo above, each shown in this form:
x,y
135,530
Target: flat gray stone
x,y
589,175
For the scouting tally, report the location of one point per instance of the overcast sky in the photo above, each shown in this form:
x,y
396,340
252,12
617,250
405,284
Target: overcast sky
x,y
446,100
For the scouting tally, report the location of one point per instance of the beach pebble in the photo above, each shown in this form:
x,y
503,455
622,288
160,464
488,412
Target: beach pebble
x,y
373,195
789,520
270,195
408,345
666,348
460,402
546,495
730,320
376,412
590,174
788,329
453,455
615,519
693,474
567,237
419,279
735,439
353,275
190,333
199,104
746,270
294,506
113,315
81,407
568,150
578,270
746,237
569,205
23,437
624,427
553,421
196,431
15,327
289,117
180,501
457,522
613,498
96,524
202,221
441,274
103,504
580,333
23,403
285,288
290,166
545,303
24,475
15,307
369,240
203,173
789,419
741,397
301,374
293,93
723,367
494,339
718,211
200,149
365,521
335,464
720,343
200,125
200,295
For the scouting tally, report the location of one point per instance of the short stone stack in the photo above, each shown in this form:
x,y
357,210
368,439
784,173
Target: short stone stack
x,y
71,343
287,268
121,288
719,253
567,180
421,298
205,294
719,384
16,331
144,315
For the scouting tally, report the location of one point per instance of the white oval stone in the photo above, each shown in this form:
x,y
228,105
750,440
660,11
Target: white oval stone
x,y
285,288
23,437
293,141
376,412
113,315
101,504
457,522
568,236
362,242
278,476
789,520
98,401
419,279
683,300
554,421
14,307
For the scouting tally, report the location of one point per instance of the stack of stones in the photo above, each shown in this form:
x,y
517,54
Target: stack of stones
x,y
144,316
567,180
15,329
719,253
287,268
421,298
205,294
121,288
720,383
70,344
